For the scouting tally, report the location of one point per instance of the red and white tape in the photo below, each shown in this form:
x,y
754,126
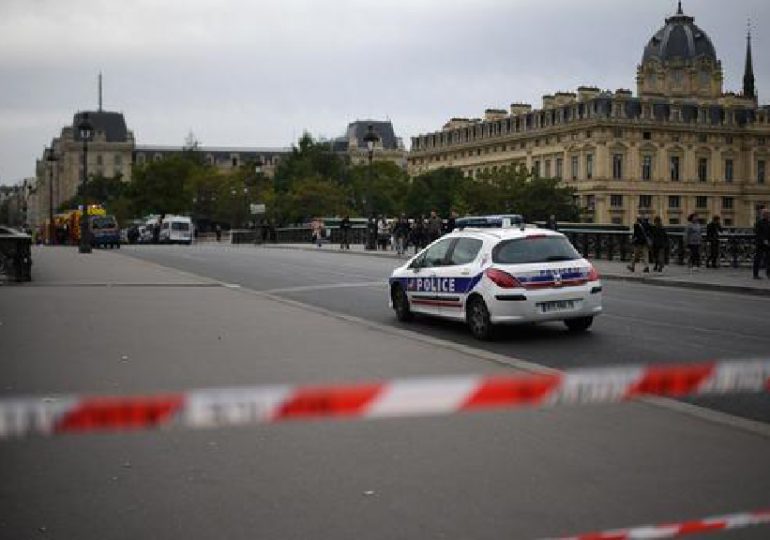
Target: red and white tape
x,y
400,397
685,528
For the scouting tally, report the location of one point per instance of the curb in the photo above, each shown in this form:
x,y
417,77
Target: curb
x,y
661,282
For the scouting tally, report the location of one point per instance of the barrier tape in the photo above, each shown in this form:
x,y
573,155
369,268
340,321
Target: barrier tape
x,y
685,528
207,408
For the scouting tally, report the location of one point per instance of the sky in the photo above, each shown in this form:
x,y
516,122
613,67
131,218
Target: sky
x,y
261,72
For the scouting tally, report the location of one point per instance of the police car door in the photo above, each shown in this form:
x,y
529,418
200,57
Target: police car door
x,y
462,274
423,284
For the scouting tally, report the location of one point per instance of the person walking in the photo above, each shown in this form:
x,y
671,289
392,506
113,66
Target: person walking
x,y
641,242
400,234
450,222
693,238
659,244
345,232
434,226
762,241
317,231
383,232
418,233
551,223
713,230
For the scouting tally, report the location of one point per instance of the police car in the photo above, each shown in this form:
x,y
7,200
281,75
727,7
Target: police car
x,y
520,274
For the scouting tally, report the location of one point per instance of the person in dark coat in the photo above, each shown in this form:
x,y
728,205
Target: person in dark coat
x,y
659,244
345,232
641,241
713,230
418,233
762,241
371,233
551,223
450,222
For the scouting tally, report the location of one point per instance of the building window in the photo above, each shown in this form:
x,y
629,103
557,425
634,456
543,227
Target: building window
x,y
645,201
729,139
618,133
140,158
616,201
536,168
646,135
575,167
727,203
591,202
673,221
702,137
617,221
590,166
99,160
548,168
646,167
703,169
701,201
728,170
674,166
674,201
761,171
617,166
559,168
118,160
588,134
728,222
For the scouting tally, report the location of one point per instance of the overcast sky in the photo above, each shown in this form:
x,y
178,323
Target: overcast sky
x,y
260,72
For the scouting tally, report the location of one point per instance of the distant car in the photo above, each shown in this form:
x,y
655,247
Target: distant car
x,y
104,231
490,276
176,230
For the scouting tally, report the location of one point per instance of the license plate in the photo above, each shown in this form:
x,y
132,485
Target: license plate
x,y
557,305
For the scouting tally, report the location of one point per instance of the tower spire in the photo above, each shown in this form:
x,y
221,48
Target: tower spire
x,y
679,8
100,91
748,72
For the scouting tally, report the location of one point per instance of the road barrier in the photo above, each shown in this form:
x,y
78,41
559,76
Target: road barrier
x,y
684,528
208,408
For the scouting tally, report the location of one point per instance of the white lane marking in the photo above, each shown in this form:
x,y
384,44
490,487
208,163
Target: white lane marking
x,y
321,287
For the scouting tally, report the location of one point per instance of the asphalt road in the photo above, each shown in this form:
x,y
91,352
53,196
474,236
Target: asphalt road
x,y
109,323
641,323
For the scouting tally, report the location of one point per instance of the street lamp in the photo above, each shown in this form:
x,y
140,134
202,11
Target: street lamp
x,y
51,158
370,139
257,173
85,128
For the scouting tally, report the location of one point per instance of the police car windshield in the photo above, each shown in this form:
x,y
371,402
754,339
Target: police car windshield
x,y
534,249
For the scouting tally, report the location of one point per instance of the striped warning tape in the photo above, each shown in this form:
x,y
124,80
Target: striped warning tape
x,y
685,528
401,397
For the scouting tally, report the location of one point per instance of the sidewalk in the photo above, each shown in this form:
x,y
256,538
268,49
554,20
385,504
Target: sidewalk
x,y
727,279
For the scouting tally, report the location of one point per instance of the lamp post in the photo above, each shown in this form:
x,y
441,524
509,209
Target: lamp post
x,y
51,158
85,128
370,139
257,174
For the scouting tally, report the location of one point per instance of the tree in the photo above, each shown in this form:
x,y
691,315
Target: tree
x,y
165,186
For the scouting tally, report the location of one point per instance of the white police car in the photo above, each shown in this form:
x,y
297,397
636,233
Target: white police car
x,y
499,276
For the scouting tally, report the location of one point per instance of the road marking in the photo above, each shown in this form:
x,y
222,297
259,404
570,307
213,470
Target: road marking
x,y
305,288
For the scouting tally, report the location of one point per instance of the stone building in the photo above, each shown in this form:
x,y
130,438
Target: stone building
x,y
109,154
223,158
680,145
388,147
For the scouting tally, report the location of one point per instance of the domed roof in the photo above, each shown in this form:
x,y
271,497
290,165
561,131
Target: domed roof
x,y
679,38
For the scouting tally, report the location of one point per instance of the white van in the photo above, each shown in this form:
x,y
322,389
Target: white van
x,y
176,230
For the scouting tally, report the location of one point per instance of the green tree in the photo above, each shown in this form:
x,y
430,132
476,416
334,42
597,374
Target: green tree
x,y
166,186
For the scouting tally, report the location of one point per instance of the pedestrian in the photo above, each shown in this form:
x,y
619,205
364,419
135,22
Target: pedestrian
x,y
693,239
345,232
762,241
383,232
641,242
317,231
218,232
401,234
156,231
450,222
713,230
434,226
659,244
418,233
551,223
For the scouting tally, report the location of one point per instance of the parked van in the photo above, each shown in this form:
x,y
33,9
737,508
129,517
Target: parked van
x,y
104,231
176,230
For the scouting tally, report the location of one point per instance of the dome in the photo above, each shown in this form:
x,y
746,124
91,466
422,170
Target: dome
x,y
679,38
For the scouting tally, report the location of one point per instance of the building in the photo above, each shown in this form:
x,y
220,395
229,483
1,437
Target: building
x,y
680,145
223,158
387,148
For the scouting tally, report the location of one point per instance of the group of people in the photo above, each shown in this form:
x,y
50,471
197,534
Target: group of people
x,y
650,243
401,233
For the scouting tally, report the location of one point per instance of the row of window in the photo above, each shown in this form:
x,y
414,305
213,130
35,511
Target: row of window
x,y
674,202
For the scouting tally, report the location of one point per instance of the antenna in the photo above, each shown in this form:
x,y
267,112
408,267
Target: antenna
x,y
100,91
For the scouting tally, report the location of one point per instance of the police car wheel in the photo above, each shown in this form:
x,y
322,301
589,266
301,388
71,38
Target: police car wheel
x,y
579,325
401,305
477,316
